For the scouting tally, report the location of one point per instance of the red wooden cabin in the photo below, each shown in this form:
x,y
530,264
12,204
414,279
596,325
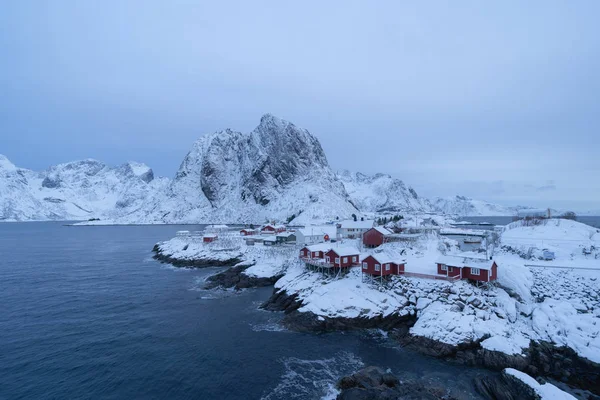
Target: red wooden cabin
x,y
315,251
468,268
342,257
375,236
248,232
209,238
382,265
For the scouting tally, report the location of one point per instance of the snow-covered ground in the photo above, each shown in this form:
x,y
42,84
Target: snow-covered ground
x,y
557,305
546,391
561,306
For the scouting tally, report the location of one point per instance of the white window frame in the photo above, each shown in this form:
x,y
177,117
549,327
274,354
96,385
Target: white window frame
x,y
355,258
365,265
450,269
444,267
377,267
327,259
475,271
387,267
344,260
337,260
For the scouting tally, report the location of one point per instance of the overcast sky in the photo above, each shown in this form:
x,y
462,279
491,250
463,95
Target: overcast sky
x,y
493,100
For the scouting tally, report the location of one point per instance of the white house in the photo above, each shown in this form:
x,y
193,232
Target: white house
x,y
354,229
315,234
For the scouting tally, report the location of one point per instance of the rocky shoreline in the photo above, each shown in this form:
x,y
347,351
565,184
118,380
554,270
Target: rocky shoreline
x,y
540,359
193,263
373,383
235,278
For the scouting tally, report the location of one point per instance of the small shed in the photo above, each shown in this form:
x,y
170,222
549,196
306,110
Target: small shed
x,y
286,237
376,236
209,238
270,241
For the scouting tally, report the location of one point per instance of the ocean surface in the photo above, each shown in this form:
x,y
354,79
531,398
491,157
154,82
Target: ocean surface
x,y
588,220
86,313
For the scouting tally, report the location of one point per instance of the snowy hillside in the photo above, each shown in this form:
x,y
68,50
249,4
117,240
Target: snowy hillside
x,y
381,193
75,190
276,171
465,206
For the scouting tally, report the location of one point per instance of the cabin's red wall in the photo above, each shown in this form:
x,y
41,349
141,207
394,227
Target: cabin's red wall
x,y
333,255
372,238
482,277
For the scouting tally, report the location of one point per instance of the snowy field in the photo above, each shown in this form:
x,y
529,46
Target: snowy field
x,y
558,305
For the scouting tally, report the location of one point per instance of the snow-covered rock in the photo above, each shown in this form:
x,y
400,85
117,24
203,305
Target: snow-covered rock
x,y
75,190
545,391
466,206
276,171
382,193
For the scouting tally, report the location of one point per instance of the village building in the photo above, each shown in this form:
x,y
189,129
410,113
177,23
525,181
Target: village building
x,y
209,238
270,229
354,229
315,234
315,251
479,270
382,266
249,232
270,240
286,237
376,236
342,257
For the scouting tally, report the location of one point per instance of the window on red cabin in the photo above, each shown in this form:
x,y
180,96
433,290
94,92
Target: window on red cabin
x,y
475,271
365,265
377,267
387,267
345,260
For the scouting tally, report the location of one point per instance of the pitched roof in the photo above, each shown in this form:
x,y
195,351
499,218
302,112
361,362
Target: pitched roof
x,y
383,230
385,259
319,247
460,261
345,251
319,230
351,224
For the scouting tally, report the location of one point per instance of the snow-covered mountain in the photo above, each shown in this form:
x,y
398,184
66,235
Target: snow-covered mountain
x,y
382,193
75,190
276,171
465,206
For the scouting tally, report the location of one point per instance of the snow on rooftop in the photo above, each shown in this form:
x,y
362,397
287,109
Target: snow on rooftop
x,y
383,230
351,224
345,251
319,230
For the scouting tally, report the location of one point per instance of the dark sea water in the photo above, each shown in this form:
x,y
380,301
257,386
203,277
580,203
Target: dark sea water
x,y
86,313
588,220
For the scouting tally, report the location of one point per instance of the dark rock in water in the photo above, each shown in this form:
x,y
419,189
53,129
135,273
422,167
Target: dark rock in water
x,y
540,359
504,387
235,278
193,263
373,383
309,322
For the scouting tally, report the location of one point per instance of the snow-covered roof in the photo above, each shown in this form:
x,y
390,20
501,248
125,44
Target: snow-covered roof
x,y
210,236
319,247
345,251
285,234
463,232
385,259
351,224
270,239
460,261
383,230
319,230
